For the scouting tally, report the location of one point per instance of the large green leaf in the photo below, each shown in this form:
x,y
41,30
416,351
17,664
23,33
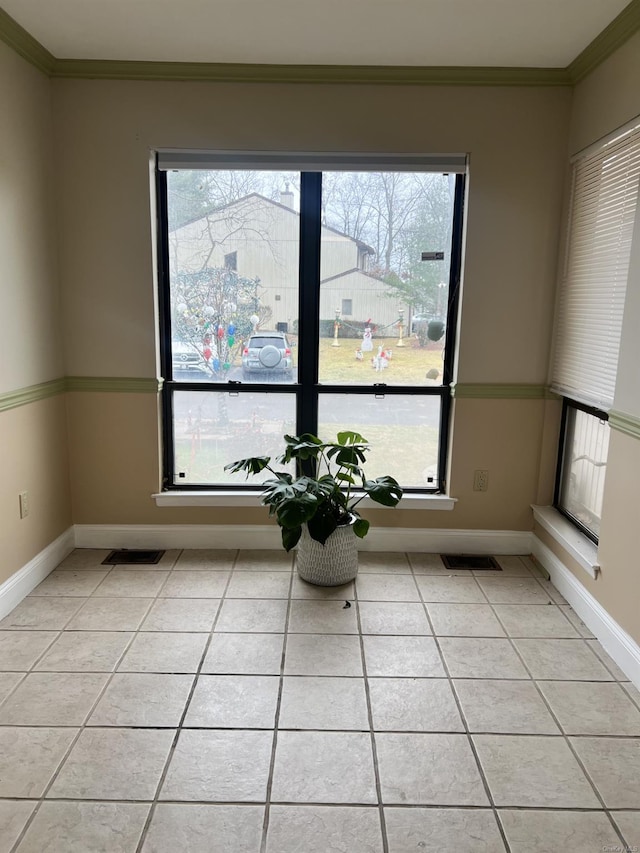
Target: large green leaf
x,y
252,465
352,455
292,513
291,537
322,525
275,491
383,490
361,527
303,447
349,437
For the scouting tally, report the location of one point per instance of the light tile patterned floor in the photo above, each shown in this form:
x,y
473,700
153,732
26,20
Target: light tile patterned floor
x,y
215,703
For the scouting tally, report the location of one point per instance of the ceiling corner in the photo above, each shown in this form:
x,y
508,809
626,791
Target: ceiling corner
x,y
607,42
25,45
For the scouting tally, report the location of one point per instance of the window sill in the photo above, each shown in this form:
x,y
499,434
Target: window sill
x,y
222,498
582,549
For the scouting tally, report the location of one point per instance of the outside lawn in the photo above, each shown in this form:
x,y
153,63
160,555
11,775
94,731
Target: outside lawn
x,y
204,458
206,439
407,366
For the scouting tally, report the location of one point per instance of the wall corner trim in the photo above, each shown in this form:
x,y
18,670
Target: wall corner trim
x,y
623,422
620,646
26,579
31,394
620,30
25,45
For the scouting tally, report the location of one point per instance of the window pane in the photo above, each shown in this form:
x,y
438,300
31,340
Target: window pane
x,y
403,432
213,428
385,259
233,240
584,467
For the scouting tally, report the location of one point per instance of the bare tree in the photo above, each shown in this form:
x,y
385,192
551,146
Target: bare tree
x,y
380,209
213,306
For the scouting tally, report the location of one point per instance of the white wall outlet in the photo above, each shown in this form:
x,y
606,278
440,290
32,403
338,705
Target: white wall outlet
x,y
480,480
24,504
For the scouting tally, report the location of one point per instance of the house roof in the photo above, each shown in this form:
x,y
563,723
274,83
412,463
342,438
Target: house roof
x,y
361,245
351,272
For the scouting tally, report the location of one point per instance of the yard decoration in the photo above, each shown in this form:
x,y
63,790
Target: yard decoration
x,y
317,508
435,330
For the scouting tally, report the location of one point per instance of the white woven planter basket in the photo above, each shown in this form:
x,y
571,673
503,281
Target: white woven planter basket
x,y
331,564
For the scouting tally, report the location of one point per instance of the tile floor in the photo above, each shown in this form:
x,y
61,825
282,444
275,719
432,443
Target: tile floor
x,y
215,703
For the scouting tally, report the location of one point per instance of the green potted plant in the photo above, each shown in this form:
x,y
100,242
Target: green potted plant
x,y
317,507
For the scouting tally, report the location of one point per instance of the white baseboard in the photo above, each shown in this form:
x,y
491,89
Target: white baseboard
x,y
26,579
442,541
268,536
623,649
177,536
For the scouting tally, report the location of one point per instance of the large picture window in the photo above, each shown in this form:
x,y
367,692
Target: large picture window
x,y
307,297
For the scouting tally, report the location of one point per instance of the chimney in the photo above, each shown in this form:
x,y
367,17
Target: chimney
x,y
286,196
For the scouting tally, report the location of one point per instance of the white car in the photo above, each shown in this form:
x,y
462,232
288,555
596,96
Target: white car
x,y
185,356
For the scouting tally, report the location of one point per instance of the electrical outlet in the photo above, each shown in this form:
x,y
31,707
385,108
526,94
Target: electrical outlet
x,y
24,504
480,480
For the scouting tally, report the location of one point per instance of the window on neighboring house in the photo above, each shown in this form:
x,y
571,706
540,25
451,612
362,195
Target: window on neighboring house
x,y
364,258
591,297
261,339
231,261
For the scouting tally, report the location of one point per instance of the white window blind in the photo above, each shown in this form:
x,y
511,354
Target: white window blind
x,y
172,160
593,279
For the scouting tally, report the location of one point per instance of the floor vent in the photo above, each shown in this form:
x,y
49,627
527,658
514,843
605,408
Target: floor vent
x,y
131,558
469,561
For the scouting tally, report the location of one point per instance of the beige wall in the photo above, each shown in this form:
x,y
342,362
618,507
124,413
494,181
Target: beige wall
x,y
30,349
34,452
33,437
517,143
104,132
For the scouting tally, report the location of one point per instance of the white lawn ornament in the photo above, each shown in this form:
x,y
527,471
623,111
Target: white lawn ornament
x,y
359,355
380,361
367,343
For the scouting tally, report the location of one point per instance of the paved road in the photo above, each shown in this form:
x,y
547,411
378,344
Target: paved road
x,y
361,410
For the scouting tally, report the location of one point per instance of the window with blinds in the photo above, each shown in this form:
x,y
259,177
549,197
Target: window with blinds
x,y
590,308
595,268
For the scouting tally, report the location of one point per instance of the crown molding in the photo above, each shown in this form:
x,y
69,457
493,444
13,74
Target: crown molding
x,y
399,75
30,49
610,39
25,45
607,42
